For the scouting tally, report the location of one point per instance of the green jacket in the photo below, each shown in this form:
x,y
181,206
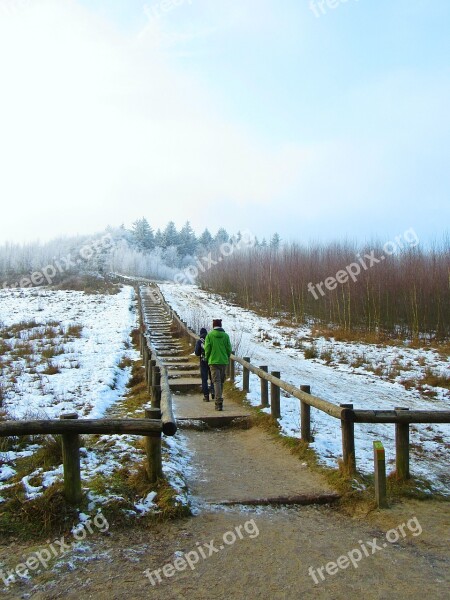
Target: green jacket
x,y
217,347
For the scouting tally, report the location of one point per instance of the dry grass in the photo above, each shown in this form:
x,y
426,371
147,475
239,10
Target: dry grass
x,y
73,331
51,369
46,515
89,284
311,352
47,456
434,380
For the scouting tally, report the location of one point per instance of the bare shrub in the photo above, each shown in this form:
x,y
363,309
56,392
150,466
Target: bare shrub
x,y
405,296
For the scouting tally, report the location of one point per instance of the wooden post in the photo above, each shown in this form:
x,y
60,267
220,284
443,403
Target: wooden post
x,y
148,367
275,397
380,474
264,388
146,358
152,365
153,448
156,388
402,448
232,369
246,377
305,416
348,438
71,463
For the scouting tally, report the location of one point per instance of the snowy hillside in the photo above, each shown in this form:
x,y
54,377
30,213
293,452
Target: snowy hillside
x,y
282,349
85,338
67,351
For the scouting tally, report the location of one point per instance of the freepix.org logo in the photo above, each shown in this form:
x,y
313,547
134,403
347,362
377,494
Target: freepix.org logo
x,y
363,263
365,550
203,551
45,556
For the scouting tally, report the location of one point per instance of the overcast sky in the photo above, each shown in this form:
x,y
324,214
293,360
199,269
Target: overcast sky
x,y
267,115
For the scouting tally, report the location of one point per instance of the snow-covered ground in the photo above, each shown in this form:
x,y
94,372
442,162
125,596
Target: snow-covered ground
x,y
282,349
63,351
89,379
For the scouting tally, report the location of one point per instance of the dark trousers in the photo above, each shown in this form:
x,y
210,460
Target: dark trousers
x,y
218,373
204,373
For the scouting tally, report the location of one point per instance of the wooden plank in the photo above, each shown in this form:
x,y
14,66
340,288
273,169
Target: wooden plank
x,y
301,499
87,426
395,416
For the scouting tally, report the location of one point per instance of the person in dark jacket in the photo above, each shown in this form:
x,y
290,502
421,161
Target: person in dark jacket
x,y
204,368
217,353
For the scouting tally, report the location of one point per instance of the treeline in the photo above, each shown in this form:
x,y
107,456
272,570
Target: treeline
x,y
406,293
138,251
184,242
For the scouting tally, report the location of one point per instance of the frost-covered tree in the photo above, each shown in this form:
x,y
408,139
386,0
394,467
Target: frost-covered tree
x,y
171,257
275,241
170,235
206,239
142,235
159,238
221,236
187,241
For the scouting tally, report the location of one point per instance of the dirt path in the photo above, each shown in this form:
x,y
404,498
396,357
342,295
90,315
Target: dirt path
x,y
238,464
241,552
238,552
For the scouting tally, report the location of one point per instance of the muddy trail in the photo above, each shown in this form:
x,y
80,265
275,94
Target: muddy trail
x,y
231,549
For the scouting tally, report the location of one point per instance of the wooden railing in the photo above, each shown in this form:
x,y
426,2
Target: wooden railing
x,y
158,419
70,428
344,413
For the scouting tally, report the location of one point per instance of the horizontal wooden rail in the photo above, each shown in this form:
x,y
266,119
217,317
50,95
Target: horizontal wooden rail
x,y
401,416
323,405
81,426
169,425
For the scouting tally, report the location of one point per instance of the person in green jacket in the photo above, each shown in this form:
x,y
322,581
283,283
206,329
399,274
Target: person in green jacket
x,y
217,353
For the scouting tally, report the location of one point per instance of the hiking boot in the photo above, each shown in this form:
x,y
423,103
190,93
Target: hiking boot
x,y
219,406
205,398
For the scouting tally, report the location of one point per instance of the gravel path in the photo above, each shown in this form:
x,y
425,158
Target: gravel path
x,y
262,553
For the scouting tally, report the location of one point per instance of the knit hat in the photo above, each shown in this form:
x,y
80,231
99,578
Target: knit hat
x,y
217,322
203,332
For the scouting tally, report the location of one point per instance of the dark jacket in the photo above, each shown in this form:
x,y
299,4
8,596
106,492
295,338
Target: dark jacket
x,y
200,345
